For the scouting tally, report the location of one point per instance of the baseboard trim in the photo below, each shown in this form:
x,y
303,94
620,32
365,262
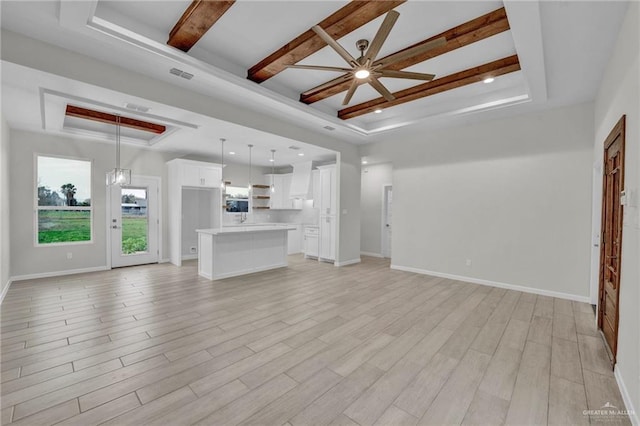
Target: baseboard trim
x,y
628,403
367,253
348,262
5,290
189,256
58,273
584,299
164,261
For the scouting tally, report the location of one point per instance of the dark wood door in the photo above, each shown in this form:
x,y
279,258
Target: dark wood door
x,y
611,246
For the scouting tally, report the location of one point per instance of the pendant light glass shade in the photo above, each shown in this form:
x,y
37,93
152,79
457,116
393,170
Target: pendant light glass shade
x,y
118,176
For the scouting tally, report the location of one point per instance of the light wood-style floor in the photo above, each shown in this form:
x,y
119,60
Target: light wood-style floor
x,y
311,344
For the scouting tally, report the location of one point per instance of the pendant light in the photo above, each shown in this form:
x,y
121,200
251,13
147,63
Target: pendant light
x,y
118,176
250,166
222,183
273,162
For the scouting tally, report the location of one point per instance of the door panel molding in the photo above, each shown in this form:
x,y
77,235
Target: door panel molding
x,y
611,237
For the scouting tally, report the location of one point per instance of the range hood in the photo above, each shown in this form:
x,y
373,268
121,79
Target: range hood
x,y
301,180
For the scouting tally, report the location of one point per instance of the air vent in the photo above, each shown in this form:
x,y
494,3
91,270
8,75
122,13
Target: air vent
x,y
331,129
295,148
180,73
135,107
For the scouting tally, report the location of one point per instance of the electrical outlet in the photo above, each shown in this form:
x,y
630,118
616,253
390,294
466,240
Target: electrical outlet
x,y
468,262
69,255
193,249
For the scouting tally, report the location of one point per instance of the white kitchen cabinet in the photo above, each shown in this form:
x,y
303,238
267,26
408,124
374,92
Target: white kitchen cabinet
x,y
328,199
311,242
328,206
327,238
294,240
315,188
205,177
199,175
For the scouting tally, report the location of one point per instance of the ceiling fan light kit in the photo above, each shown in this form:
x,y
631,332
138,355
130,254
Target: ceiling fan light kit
x,y
366,69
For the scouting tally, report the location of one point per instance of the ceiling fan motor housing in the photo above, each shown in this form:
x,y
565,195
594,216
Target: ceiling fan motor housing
x,y
362,45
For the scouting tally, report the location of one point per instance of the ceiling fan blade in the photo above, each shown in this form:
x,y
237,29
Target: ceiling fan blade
x,y
335,45
397,57
381,35
319,68
331,83
350,92
375,83
406,74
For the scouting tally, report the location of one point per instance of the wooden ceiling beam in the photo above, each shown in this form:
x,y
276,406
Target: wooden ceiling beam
x,y
196,21
450,82
477,29
352,16
104,117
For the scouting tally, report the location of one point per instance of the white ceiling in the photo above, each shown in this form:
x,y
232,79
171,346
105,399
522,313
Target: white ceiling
x,y
563,48
41,107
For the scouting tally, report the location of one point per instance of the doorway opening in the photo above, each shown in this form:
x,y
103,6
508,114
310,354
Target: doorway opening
x,y
134,222
611,246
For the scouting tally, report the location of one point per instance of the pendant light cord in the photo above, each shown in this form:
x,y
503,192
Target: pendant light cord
x,y
118,142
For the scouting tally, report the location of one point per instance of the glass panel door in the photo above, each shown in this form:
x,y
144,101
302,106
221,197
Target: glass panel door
x,y
134,223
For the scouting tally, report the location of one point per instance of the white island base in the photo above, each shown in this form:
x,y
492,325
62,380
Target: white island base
x,y
239,250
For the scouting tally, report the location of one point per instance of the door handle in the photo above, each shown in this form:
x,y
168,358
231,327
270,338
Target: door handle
x,y
115,227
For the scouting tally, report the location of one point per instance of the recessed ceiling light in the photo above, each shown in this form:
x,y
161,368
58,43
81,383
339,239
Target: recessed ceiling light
x,y
377,110
271,160
301,154
365,162
232,153
488,80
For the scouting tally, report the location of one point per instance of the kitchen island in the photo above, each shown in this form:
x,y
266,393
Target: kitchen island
x,y
238,250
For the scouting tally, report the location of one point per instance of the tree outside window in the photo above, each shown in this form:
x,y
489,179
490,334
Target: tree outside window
x,y
63,200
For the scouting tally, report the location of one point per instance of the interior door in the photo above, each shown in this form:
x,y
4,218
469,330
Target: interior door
x,y
386,221
611,247
134,222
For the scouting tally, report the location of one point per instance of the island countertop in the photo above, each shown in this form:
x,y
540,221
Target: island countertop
x,y
245,228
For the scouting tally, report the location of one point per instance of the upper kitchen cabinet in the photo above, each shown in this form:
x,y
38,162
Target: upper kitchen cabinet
x,y
327,190
198,174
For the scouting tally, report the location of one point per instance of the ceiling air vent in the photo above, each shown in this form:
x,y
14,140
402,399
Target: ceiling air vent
x,y
295,148
180,73
331,129
135,107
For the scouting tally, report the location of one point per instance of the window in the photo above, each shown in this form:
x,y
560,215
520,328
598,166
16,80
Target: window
x,y
63,201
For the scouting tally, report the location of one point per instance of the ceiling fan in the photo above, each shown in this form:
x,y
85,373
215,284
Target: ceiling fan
x,y
366,69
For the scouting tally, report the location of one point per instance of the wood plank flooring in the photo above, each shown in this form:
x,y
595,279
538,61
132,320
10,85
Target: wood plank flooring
x,y
310,344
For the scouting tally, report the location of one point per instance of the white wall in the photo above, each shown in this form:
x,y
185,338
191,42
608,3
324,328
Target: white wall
x,y
619,95
197,205
26,258
5,234
374,177
512,195
35,54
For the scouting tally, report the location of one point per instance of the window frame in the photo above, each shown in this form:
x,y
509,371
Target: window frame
x,y
37,208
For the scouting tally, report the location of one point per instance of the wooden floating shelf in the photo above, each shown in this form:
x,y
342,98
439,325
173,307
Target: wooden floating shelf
x,y
262,186
261,208
262,197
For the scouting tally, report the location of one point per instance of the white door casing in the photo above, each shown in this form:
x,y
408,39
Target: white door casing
x,y
138,223
387,202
